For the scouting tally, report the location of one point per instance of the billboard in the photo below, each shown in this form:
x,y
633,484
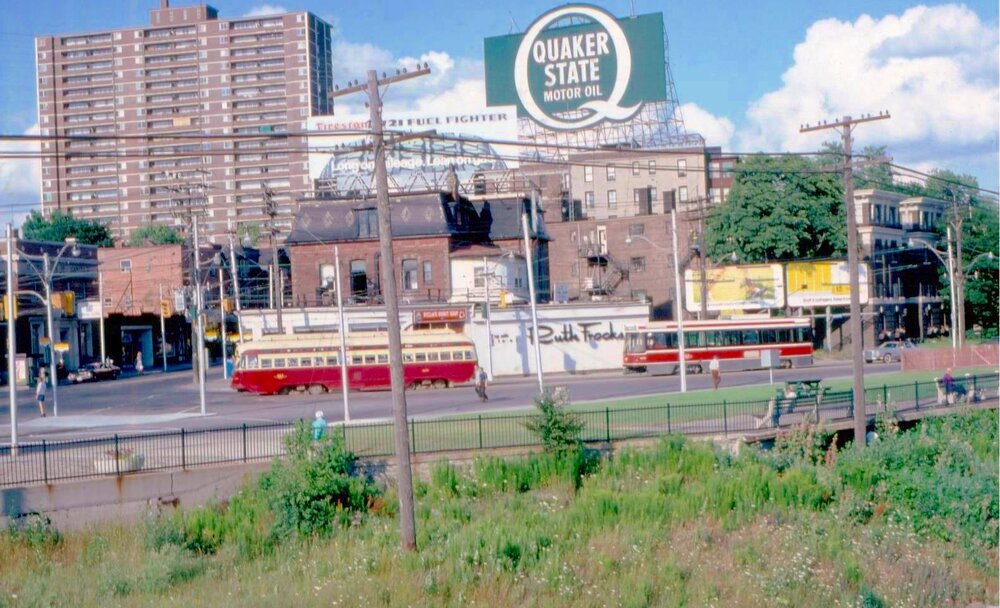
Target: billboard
x,y
341,162
748,287
824,283
577,66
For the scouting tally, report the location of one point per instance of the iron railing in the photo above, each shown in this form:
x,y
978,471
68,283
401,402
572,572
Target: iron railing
x,y
53,461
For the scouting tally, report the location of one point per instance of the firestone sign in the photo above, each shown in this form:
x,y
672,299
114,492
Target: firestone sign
x,y
568,77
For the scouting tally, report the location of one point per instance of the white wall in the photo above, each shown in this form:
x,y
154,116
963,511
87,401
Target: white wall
x,y
508,273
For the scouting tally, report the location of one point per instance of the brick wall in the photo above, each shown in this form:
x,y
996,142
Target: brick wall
x,y
306,261
137,290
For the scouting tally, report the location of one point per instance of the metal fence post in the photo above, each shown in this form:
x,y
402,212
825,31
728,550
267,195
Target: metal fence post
x,y
45,461
885,396
118,457
668,418
413,437
975,386
725,419
183,452
916,395
607,425
480,431
244,442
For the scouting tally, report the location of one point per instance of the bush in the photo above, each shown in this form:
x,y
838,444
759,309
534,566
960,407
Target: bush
x,y
34,530
316,489
558,429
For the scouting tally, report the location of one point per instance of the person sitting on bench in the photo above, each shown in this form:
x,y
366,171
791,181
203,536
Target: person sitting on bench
x,y
951,387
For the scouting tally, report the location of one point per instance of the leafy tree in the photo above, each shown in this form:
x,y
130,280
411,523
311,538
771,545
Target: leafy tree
x,y
980,234
779,208
877,175
250,234
59,225
155,234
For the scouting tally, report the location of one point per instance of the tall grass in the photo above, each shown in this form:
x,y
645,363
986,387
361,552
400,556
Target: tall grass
x,y
911,521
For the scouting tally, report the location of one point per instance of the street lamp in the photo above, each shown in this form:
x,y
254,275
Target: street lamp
x,y
678,300
47,273
950,267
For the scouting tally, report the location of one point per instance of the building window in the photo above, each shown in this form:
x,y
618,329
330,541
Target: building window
x,y
715,195
428,273
588,198
359,278
611,173
652,194
682,194
636,229
125,265
652,167
588,174
682,167
410,275
367,223
635,167
638,264
479,277
612,199
327,276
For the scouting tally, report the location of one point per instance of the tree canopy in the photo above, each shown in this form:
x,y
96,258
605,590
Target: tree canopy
x,y
155,234
59,225
779,208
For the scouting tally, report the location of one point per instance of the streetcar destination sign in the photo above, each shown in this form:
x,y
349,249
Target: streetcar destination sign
x,y
577,66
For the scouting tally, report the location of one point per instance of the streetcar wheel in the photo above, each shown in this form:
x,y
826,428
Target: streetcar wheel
x,y
317,389
283,390
786,364
439,383
887,359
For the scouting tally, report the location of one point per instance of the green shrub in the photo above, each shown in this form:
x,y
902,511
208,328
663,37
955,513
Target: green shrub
x,y
34,530
558,429
316,488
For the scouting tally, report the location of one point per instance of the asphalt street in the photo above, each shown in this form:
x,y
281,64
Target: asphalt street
x,y
169,401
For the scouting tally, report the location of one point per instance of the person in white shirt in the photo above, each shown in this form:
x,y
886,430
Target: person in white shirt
x,y
40,389
713,367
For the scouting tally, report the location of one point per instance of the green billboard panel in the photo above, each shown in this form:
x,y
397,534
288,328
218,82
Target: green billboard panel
x,y
577,66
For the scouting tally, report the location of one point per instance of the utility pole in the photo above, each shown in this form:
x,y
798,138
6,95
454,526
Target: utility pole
x,y
11,339
100,296
529,258
271,209
163,331
958,210
54,369
845,126
200,324
234,274
342,334
407,524
222,323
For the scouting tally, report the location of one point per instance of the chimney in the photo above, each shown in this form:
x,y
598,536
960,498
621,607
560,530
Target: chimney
x,y
164,4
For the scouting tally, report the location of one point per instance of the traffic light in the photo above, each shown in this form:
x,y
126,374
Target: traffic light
x,y
3,308
227,305
68,303
165,308
503,298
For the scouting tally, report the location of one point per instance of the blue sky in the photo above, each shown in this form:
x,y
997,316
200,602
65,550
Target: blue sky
x,y
747,73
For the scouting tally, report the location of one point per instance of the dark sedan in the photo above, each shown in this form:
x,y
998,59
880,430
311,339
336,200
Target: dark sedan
x,y
92,372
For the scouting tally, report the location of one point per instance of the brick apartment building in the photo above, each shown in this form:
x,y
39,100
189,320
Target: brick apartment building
x,y
248,81
433,236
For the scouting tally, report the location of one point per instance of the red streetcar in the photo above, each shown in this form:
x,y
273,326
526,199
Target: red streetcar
x,y
285,364
738,344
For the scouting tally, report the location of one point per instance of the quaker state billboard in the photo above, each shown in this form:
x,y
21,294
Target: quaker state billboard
x,y
577,66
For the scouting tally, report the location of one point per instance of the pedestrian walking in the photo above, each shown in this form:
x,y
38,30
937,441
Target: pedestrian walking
x,y
319,426
40,388
139,367
713,366
481,380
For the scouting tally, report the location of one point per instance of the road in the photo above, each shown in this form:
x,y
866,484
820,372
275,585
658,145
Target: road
x,y
169,401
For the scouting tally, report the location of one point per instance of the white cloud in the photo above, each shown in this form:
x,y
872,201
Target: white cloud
x,y
20,179
717,130
263,10
933,68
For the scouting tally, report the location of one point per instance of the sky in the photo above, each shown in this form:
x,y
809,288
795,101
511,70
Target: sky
x,y
747,74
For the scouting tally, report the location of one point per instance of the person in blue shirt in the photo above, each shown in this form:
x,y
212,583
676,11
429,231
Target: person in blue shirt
x,y
319,426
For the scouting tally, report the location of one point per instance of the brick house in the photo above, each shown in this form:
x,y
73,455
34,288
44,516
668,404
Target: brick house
x,y
429,231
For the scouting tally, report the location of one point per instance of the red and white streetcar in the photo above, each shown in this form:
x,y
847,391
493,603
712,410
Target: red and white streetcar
x,y
738,344
310,362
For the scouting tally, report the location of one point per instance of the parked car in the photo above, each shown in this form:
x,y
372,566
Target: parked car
x,y
887,352
92,372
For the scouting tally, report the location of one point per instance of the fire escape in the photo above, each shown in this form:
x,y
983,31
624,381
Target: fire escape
x,y
604,273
